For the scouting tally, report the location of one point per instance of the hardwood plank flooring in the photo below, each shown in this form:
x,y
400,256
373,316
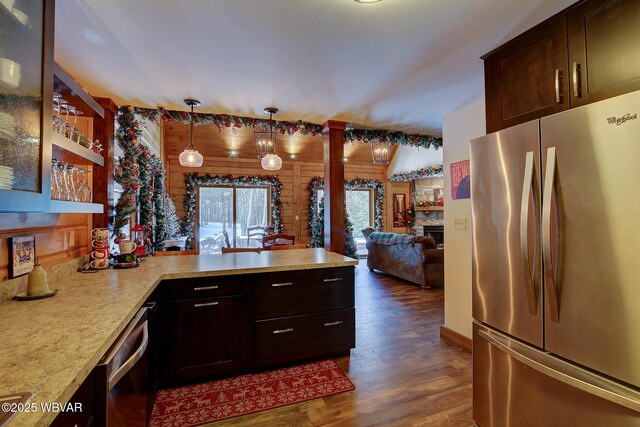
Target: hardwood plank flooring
x,y
404,374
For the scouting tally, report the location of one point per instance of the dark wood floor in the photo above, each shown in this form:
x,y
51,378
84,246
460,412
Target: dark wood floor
x,y
404,374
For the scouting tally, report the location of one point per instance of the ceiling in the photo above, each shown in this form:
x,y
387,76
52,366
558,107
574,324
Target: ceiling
x,y
398,64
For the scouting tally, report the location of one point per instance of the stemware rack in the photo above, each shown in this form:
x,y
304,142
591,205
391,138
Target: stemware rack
x,y
69,151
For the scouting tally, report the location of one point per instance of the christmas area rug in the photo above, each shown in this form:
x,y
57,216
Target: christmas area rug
x,y
217,400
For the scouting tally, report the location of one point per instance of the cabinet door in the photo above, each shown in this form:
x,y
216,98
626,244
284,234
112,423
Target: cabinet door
x,y
526,78
26,84
604,42
207,336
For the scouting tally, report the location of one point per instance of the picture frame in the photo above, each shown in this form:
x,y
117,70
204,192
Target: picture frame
x,y
460,180
399,210
22,255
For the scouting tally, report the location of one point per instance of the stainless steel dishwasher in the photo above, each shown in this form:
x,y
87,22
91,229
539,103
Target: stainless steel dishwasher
x,y
122,391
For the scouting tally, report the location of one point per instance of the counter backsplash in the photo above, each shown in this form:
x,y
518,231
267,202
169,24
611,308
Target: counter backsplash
x,y
17,286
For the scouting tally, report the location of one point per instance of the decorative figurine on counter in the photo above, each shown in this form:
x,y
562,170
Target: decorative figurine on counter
x,y
137,235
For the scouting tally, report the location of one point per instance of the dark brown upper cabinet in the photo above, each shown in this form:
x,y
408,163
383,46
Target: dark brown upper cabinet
x,y
586,53
526,78
604,49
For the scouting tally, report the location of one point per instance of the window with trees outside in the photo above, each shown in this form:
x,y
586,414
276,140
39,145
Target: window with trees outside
x,y
359,203
232,216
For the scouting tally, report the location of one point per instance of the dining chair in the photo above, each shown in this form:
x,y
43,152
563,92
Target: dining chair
x,y
234,250
277,239
293,246
256,231
227,243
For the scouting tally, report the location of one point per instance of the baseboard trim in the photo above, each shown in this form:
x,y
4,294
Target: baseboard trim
x,y
455,338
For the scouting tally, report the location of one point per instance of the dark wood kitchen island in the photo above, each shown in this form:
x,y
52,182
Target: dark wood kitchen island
x,y
283,299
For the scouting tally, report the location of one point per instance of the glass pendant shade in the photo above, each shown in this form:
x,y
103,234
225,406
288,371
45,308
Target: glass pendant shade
x,y
190,158
271,162
380,152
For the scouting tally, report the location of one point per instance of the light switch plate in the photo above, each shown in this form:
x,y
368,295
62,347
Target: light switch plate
x,y
459,223
72,238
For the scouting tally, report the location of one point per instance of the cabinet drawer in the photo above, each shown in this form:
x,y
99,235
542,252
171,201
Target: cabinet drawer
x,y
204,287
307,291
300,337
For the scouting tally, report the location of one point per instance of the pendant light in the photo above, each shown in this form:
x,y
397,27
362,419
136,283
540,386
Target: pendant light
x,y
190,156
266,145
380,151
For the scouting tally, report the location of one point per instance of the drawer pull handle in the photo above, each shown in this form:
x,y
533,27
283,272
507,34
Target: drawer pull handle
x,y
206,304
283,331
337,279
337,322
205,288
279,285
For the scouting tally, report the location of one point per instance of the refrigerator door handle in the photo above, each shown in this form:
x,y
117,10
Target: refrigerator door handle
x,y
565,372
547,256
527,190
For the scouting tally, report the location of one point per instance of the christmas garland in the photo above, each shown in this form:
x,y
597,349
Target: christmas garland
x,y
316,230
420,173
141,174
228,121
127,134
222,121
394,138
193,180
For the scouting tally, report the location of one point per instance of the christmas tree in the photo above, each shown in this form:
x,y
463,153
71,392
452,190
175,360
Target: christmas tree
x,y
317,232
173,222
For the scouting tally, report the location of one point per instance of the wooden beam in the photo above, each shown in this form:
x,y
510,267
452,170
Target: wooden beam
x,y
334,195
104,130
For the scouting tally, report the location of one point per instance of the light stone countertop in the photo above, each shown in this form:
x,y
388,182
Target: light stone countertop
x,y
49,346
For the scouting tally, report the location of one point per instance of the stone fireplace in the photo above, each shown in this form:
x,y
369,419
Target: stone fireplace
x,y
427,189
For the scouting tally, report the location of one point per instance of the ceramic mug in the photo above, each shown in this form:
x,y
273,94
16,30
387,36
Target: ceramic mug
x,y
100,244
127,247
99,264
100,233
99,255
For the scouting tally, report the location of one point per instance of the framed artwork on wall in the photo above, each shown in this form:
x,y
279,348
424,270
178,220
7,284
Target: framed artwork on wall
x,y
22,253
460,180
399,210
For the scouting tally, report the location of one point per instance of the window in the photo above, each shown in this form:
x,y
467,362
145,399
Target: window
x,y
242,213
360,209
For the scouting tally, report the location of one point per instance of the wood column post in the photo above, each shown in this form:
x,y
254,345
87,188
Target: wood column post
x,y
104,130
334,196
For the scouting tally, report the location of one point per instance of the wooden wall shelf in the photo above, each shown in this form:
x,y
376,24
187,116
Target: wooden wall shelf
x,y
429,208
77,96
72,152
62,206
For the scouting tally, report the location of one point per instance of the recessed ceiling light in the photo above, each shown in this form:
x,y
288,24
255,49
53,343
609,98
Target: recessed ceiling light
x,y
368,1
293,156
233,153
345,159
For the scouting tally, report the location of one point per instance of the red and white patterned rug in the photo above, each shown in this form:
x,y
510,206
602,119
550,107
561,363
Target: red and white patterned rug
x,y
217,400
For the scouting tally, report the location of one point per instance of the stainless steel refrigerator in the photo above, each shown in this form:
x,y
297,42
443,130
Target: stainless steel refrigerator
x,y
556,269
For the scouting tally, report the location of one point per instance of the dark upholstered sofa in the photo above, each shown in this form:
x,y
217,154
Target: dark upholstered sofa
x,y
419,262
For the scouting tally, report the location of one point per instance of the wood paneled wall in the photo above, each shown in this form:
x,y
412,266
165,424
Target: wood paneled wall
x,y
52,236
295,177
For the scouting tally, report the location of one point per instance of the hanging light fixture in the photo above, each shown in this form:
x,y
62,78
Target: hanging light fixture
x,y
190,156
380,151
266,145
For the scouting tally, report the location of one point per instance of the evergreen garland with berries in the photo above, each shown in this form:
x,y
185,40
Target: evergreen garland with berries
x,y
417,174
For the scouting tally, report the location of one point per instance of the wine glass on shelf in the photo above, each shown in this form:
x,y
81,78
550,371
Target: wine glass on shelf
x,y
57,121
69,189
84,190
67,128
62,106
54,178
75,132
